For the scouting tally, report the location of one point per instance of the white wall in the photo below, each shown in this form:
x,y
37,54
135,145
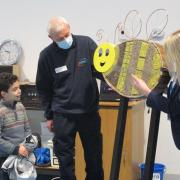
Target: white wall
x,y
26,22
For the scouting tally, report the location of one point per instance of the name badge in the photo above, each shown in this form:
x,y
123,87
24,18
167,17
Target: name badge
x,y
61,69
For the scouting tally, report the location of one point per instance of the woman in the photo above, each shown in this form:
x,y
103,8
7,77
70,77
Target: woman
x,y
156,99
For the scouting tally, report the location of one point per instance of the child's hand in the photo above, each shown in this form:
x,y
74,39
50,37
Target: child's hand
x,y
23,151
50,125
140,85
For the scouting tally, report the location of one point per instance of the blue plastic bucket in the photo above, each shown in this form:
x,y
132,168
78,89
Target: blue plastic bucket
x,y
158,172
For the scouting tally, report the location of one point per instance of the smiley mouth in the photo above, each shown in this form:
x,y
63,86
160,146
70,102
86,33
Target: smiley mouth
x,y
102,64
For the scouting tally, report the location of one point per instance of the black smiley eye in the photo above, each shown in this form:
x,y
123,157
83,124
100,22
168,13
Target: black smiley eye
x,y
100,52
107,52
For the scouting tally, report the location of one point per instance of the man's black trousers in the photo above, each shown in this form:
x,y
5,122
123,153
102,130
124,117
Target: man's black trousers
x,y
88,126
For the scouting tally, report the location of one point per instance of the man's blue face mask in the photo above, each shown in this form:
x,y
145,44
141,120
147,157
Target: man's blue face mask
x,y
66,43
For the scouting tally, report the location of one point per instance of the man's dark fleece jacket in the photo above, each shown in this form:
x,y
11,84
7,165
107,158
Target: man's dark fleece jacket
x,y
66,79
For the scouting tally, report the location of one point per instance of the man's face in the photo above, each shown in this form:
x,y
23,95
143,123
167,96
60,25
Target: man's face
x,y
13,94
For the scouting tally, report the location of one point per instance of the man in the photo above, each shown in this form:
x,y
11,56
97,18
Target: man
x,y
66,81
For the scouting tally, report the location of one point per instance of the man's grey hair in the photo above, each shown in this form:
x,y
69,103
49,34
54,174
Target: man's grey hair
x,y
56,24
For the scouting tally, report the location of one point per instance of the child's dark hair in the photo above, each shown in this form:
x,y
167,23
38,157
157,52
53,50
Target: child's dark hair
x,y
6,80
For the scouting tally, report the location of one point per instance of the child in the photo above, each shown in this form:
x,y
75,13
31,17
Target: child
x,y
14,125
171,103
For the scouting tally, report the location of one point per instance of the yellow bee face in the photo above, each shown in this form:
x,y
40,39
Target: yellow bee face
x,y
104,57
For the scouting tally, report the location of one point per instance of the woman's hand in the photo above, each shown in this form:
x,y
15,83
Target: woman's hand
x,y
140,85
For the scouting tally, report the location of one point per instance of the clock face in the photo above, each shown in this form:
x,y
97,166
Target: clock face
x,y
10,52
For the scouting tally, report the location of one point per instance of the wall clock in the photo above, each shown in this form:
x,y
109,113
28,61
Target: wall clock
x,y
10,52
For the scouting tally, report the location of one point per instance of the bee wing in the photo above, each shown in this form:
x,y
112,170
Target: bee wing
x,y
132,24
156,24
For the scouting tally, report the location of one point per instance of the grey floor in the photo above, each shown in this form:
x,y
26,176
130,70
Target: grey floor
x,y
167,177
172,177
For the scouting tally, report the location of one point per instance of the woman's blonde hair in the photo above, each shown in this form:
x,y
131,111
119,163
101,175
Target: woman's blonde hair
x,y
172,53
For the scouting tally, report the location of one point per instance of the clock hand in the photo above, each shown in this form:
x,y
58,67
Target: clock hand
x,y
7,51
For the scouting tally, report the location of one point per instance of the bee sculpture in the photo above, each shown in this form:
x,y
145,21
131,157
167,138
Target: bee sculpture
x,y
118,62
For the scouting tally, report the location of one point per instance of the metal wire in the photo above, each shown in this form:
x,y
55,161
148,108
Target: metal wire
x,y
118,31
155,12
101,36
128,21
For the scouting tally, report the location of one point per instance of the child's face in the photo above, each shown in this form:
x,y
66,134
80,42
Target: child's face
x,y
14,92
